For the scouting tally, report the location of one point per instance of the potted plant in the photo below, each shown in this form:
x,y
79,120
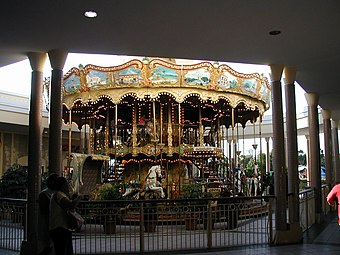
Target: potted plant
x,y
13,184
105,192
194,207
150,210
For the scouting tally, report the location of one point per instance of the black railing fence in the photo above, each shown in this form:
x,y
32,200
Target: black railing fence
x,y
137,226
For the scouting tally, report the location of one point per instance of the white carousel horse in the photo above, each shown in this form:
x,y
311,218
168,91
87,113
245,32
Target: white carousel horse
x,y
151,180
256,183
238,180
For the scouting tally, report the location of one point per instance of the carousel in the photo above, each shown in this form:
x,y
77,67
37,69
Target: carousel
x,y
154,112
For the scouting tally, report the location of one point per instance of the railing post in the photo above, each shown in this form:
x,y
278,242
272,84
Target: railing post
x,y
270,219
141,228
306,199
209,225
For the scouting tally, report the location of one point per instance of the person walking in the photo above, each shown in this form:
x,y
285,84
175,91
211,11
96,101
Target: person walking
x,y
61,202
43,219
333,197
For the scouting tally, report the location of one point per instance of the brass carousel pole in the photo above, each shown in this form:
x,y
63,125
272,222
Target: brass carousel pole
x,y
169,128
85,141
154,127
107,124
238,152
179,145
161,123
222,147
255,147
244,166
200,125
69,140
170,186
161,132
218,133
94,137
260,160
134,129
116,137
233,141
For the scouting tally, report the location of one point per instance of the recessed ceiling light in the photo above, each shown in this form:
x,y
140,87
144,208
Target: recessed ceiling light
x,y
275,32
90,14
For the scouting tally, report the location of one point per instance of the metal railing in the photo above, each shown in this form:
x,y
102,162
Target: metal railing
x,y
12,223
307,209
307,206
136,226
159,225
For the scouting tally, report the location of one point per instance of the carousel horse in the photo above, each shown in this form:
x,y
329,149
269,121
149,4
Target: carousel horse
x,y
239,180
151,180
255,185
132,190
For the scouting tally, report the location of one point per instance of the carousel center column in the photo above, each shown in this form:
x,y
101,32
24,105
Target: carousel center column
x,y
57,58
30,243
314,146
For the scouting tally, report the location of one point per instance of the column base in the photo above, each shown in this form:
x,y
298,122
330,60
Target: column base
x,y
28,248
292,235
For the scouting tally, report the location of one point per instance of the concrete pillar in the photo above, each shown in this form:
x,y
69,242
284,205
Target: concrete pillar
x,y
30,243
292,147
278,149
335,143
57,59
313,123
309,175
267,155
326,115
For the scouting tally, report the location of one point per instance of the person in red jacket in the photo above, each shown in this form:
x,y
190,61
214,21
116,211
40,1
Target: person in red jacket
x,y
333,197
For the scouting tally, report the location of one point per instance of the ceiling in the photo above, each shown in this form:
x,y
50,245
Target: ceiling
x,y
221,30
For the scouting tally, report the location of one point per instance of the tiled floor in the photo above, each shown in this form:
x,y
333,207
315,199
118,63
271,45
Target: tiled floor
x,y
321,239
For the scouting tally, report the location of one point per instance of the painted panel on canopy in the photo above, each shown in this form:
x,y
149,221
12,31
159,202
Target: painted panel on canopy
x,y
97,79
264,91
128,76
249,85
227,81
164,76
198,77
72,83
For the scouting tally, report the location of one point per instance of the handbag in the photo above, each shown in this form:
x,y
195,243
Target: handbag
x,y
75,221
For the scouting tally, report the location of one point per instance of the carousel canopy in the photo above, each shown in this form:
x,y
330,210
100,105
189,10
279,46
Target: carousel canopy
x,y
88,89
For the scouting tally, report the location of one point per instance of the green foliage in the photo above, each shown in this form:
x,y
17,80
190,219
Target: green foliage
x,y
108,191
13,183
192,190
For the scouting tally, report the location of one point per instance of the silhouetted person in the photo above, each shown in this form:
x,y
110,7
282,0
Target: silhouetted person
x,y
61,232
43,219
333,197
